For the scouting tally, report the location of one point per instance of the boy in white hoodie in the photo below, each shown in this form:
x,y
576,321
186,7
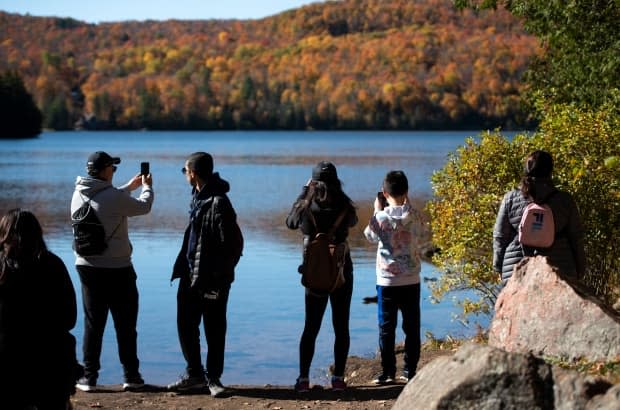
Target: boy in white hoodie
x,y
398,229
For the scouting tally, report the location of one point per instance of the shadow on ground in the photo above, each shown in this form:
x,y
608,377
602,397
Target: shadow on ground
x,y
352,393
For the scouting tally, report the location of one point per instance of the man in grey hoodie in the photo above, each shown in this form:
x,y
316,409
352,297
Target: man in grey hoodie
x,y
109,279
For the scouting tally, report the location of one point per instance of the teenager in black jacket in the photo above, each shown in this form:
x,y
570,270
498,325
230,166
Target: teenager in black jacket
x,y
205,266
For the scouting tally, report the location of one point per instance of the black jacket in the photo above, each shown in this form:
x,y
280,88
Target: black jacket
x,y
204,257
37,312
325,214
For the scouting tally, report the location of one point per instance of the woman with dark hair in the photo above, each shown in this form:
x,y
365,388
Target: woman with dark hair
x,y
317,209
37,312
567,251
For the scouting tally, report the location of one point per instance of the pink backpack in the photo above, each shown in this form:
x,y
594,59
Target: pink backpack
x,y
537,228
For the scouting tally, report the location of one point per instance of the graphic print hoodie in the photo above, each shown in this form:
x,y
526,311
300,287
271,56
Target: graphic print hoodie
x,y
398,231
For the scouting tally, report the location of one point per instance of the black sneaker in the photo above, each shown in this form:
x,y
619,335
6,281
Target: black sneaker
x,y
86,384
133,383
302,385
216,388
383,378
338,383
187,382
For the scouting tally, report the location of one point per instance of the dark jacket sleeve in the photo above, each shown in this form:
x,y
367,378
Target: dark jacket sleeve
x,y
214,265
294,218
502,235
63,311
351,217
507,250
222,254
68,292
56,317
181,265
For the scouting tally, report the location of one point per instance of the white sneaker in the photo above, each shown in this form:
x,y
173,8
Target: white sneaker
x,y
85,384
216,388
133,383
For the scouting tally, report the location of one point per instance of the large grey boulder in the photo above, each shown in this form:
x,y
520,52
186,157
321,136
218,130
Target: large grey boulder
x,y
485,378
541,312
480,377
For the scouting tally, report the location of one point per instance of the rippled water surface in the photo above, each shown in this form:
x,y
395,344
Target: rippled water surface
x,y
266,171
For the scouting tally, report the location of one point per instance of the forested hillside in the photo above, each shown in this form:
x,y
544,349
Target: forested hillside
x,y
375,64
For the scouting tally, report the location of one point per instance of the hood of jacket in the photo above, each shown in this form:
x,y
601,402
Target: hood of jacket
x,y
398,212
214,186
90,186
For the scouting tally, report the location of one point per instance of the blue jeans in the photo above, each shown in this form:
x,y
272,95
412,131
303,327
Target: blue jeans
x,y
391,299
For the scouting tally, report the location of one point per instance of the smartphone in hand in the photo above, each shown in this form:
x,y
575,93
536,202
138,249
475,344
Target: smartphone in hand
x,y
145,168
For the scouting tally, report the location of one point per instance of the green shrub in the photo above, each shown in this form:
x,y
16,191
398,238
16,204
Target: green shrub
x,y
469,189
581,142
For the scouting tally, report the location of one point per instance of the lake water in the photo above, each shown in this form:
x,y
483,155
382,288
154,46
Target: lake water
x,y
266,171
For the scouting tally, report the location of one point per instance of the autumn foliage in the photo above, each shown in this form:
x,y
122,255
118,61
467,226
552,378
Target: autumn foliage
x,y
352,64
469,188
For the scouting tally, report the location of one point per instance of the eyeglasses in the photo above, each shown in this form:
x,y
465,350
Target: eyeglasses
x,y
184,170
114,167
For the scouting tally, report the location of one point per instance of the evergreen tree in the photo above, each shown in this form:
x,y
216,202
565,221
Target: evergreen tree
x,y
19,116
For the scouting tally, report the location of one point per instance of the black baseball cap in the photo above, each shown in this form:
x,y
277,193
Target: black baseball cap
x,y
98,161
324,171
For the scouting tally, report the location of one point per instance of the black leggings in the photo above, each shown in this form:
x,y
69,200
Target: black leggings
x,y
315,308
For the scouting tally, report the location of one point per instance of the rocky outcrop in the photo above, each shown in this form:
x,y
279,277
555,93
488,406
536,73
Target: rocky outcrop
x,y
479,377
538,313
483,377
543,313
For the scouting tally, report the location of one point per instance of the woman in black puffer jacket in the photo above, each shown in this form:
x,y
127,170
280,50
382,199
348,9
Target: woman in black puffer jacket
x,y
567,252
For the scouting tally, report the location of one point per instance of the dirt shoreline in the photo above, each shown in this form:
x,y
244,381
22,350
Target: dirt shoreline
x,y
360,395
